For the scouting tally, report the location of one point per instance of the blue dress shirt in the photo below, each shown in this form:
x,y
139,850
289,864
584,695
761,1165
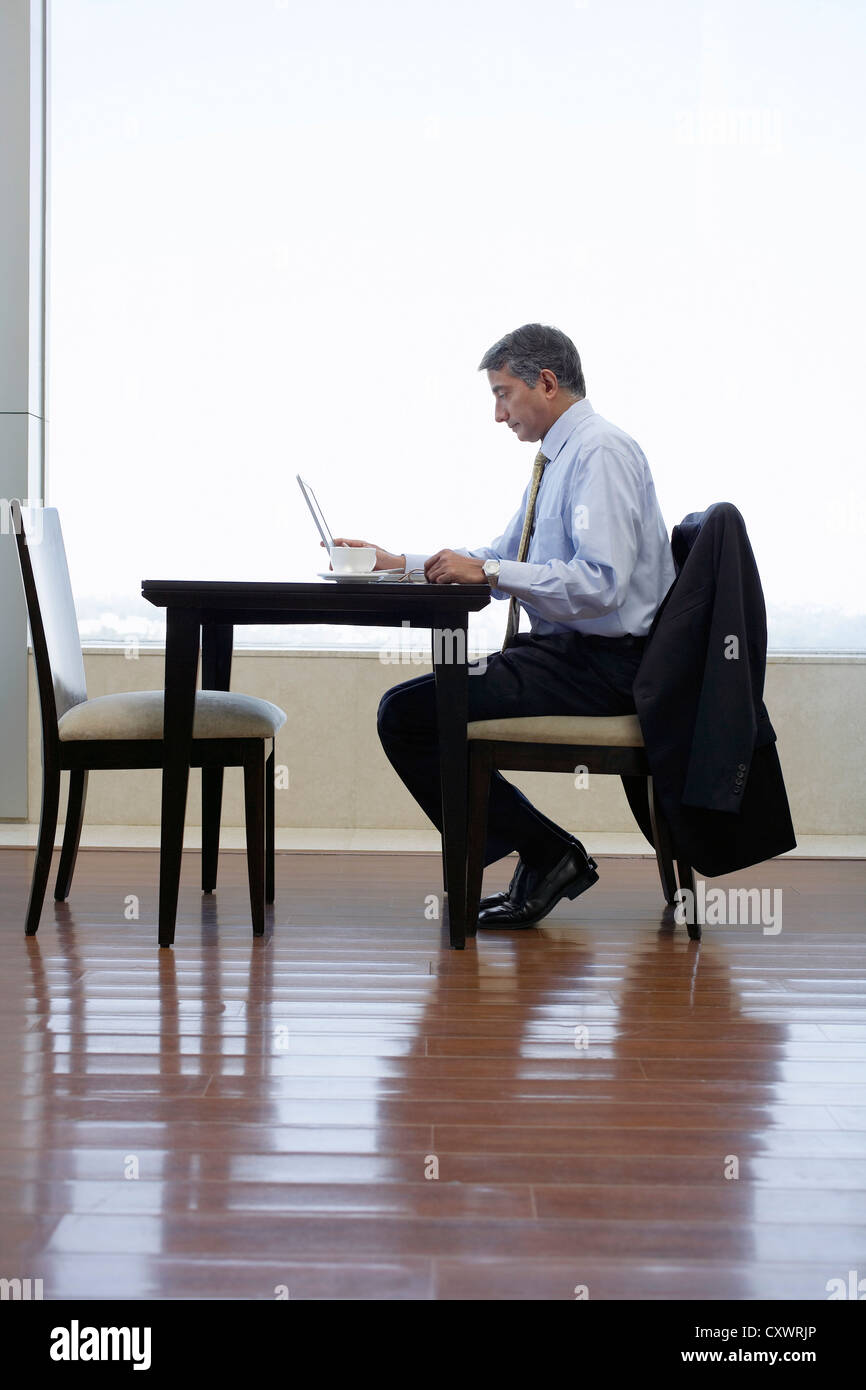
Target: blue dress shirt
x,y
599,558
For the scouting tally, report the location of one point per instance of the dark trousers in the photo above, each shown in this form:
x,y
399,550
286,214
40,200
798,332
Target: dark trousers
x,y
565,673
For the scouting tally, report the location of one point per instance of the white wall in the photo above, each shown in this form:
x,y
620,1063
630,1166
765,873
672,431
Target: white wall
x,y
339,777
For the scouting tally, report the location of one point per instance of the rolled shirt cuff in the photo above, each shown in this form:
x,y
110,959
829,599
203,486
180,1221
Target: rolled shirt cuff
x,y
513,578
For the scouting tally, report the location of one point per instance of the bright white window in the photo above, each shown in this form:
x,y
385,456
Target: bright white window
x,y
282,236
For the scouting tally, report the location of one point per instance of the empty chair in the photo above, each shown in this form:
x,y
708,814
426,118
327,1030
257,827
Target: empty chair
x,y
125,731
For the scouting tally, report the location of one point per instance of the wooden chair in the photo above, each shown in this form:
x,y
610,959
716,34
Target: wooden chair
x,y
612,745
125,731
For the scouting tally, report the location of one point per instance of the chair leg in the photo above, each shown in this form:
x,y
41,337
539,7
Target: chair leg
x,y
254,799
211,813
71,832
44,847
269,827
686,875
663,845
479,795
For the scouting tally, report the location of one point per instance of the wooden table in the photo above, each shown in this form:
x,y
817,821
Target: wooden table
x,y
205,613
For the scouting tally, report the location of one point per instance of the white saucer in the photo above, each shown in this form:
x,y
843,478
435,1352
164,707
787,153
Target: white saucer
x,y
372,578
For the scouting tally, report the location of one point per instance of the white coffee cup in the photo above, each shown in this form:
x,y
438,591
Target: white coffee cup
x,y
353,559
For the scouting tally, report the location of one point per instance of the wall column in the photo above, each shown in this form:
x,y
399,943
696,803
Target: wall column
x,y
23,46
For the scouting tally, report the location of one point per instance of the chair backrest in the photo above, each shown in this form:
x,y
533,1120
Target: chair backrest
x,y
683,540
51,611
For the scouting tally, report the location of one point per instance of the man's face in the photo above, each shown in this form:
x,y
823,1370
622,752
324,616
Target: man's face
x,y
524,409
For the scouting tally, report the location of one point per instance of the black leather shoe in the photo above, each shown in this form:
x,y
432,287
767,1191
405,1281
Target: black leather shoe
x,y
572,875
514,893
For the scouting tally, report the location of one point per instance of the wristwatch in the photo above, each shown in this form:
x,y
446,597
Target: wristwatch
x,y
491,572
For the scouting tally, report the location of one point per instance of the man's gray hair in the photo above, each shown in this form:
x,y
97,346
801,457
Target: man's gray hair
x,y
527,351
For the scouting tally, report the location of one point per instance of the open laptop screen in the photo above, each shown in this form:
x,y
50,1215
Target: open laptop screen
x,y
315,511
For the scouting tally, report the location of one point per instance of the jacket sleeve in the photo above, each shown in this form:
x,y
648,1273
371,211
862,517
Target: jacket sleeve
x,y
726,726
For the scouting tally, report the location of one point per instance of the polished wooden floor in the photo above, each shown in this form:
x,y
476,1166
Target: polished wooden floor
x,y
233,1116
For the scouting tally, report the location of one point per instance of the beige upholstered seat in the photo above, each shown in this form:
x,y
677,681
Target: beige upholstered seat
x,y
612,731
138,715
607,745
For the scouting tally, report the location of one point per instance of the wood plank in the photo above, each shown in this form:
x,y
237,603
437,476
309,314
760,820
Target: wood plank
x,y
285,1098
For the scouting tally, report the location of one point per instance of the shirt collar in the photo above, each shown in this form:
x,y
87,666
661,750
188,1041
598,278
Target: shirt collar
x,y
562,428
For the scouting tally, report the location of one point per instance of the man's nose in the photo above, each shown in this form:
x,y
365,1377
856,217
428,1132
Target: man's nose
x,y
501,414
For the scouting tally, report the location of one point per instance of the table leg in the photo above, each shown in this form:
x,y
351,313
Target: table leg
x,y
216,671
452,703
181,665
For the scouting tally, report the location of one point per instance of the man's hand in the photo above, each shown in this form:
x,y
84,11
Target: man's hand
x,y
384,559
447,567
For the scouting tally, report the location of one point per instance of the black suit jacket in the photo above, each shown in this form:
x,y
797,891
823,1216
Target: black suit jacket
x,y
699,699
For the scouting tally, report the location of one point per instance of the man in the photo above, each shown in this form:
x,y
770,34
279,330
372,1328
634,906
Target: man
x,y
587,557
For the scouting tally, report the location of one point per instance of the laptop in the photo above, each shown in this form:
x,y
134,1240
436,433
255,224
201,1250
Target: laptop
x,y
316,512
327,539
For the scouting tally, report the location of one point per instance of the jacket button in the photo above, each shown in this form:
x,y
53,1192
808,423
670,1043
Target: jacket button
x,y
741,767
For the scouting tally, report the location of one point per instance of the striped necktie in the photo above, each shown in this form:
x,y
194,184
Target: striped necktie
x,y
523,549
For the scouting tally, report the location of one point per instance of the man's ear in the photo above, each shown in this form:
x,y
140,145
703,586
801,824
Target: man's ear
x,y
548,378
